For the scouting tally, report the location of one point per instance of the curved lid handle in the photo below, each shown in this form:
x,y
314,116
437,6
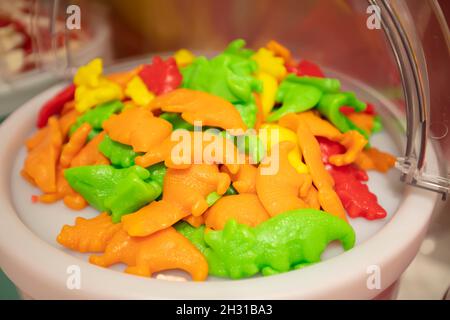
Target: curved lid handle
x,y
414,30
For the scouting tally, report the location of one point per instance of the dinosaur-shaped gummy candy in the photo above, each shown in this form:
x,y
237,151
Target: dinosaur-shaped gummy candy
x,y
163,250
298,94
118,191
330,105
288,241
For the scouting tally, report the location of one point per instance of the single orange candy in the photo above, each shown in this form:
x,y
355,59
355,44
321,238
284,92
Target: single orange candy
x,y
244,208
137,127
88,235
40,164
163,250
195,105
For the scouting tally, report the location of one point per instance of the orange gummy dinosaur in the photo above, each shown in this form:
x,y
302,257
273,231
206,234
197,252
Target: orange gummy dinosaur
x,y
42,158
74,145
184,193
163,250
283,190
195,105
323,181
244,208
137,127
352,140
372,158
227,152
244,181
89,235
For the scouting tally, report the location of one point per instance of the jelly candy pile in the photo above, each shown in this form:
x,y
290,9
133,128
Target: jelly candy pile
x,y
107,141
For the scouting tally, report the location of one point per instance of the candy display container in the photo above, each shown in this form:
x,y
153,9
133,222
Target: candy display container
x,y
391,54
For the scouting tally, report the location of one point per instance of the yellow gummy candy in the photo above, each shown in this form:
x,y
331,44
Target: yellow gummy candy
x,y
183,57
284,134
138,92
92,88
270,64
89,75
270,86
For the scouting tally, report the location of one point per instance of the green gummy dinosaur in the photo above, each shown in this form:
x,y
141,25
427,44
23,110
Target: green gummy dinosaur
x,y
294,97
228,75
285,242
117,191
120,155
330,104
96,116
327,85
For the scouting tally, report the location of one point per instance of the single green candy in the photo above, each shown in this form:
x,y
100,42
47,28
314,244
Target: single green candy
x,y
116,191
225,76
177,121
288,241
294,97
96,116
228,75
120,155
330,105
328,85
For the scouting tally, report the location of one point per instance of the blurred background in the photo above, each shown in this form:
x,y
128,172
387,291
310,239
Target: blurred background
x,y
37,49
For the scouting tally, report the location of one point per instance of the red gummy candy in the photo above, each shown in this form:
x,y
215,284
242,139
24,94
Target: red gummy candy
x,y
306,68
356,197
55,105
161,76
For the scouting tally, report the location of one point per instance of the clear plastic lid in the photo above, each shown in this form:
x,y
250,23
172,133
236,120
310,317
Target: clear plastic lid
x,y
397,50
